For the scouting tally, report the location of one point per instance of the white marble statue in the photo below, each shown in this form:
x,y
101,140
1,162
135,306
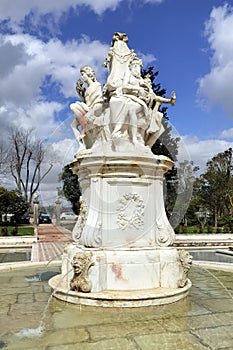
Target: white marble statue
x,y
131,108
92,103
127,108
156,128
122,253
117,63
129,103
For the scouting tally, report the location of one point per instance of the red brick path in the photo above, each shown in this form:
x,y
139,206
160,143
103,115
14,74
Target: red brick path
x,y
51,241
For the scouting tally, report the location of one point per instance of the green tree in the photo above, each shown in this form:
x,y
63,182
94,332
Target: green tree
x,y
12,202
184,190
196,205
166,145
216,185
71,189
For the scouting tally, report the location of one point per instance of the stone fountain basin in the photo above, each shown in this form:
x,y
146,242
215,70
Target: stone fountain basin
x,y
112,298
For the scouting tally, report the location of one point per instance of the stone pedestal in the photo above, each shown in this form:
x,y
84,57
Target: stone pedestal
x,y
122,254
122,199
124,233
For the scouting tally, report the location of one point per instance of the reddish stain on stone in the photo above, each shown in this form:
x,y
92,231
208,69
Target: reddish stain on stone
x,y
117,270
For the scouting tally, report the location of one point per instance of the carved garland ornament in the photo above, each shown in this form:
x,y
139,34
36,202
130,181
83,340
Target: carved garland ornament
x,y
131,211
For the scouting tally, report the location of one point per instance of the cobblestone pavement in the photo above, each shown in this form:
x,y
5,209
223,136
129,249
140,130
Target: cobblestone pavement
x,y
31,319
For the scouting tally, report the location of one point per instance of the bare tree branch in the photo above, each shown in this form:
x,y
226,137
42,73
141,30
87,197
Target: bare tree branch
x,y
26,158
3,160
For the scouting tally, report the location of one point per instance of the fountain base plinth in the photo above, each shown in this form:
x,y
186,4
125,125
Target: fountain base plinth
x,y
124,278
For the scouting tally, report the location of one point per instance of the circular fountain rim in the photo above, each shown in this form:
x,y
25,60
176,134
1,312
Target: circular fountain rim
x,y
117,298
20,264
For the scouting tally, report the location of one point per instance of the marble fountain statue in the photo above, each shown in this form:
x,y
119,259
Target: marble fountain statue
x,y
122,254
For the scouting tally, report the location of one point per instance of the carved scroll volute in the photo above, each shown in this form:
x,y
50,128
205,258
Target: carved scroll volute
x,y
82,218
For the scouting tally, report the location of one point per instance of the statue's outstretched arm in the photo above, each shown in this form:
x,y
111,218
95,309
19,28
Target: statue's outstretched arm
x,y
161,99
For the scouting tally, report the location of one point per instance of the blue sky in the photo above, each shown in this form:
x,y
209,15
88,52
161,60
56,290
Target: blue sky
x,y
44,43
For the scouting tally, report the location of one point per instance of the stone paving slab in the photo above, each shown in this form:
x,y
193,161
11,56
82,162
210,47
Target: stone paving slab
x,y
197,322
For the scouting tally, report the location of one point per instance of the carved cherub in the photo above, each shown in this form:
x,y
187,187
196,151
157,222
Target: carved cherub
x,y
92,101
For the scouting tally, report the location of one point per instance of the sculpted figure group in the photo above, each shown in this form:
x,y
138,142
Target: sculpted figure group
x,y
126,107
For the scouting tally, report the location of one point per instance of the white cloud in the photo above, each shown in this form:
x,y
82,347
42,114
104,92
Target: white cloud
x,y
38,116
36,65
225,134
64,150
41,60
216,86
201,151
10,10
29,66
153,1
146,58
33,66
60,154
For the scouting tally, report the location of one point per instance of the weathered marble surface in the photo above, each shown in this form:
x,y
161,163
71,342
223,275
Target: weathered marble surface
x,y
128,269
122,223
125,109
122,201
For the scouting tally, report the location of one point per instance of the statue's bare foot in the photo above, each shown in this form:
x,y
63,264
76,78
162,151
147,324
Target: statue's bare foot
x,y
81,137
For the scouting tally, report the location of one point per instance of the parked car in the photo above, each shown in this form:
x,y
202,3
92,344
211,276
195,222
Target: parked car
x,y
68,216
8,218
24,219
44,218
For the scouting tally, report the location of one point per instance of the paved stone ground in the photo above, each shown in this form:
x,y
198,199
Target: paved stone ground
x,y
30,319
51,241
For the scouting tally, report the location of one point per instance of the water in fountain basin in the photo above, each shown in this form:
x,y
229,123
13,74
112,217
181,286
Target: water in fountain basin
x,y
38,331
203,320
216,278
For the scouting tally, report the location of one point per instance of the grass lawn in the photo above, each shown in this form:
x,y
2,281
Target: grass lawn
x,y
196,229
16,231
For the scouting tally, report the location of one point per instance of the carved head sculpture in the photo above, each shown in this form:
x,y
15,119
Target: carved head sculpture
x,y
89,72
119,36
185,260
135,65
80,262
